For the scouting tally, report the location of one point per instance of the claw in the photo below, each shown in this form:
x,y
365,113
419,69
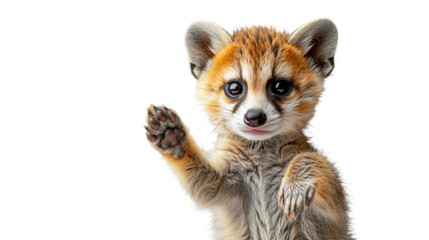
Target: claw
x,y
149,112
165,108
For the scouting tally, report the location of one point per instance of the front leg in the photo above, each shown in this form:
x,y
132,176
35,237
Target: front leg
x,y
310,181
168,135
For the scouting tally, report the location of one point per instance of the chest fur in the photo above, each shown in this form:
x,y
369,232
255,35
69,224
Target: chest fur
x,y
256,211
253,211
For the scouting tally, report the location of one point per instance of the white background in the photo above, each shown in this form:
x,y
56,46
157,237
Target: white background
x,y
76,78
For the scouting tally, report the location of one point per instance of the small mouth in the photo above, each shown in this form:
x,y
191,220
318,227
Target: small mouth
x,y
257,131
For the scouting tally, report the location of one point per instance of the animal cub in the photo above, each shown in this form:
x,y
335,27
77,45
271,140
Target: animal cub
x,y
260,88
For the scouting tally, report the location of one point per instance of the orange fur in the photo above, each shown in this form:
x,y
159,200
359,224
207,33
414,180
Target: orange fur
x,y
272,187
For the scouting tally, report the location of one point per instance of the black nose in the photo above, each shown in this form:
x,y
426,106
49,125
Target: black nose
x,y
255,118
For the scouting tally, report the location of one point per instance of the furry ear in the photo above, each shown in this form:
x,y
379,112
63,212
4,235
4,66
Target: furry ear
x,y
318,42
203,41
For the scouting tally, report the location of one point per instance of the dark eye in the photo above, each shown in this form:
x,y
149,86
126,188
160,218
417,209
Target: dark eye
x,y
233,89
281,87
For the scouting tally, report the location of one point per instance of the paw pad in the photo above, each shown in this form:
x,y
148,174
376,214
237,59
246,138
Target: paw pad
x,y
165,131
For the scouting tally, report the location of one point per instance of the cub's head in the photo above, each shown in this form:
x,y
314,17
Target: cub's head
x,y
259,83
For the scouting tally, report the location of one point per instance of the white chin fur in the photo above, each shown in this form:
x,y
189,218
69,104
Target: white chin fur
x,y
257,136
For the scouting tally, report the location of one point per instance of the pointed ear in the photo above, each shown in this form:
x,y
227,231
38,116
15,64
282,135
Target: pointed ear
x,y
318,42
203,41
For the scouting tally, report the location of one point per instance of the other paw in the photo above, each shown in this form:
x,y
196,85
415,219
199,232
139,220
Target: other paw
x,y
165,130
295,197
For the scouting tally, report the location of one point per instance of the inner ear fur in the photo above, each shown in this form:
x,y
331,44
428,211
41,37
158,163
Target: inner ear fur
x,y
203,41
318,42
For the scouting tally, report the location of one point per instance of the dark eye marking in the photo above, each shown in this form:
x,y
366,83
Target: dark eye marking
x,y
236,90
278,89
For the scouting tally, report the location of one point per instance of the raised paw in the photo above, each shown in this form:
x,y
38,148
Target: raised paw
x,y
295,197
165,131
